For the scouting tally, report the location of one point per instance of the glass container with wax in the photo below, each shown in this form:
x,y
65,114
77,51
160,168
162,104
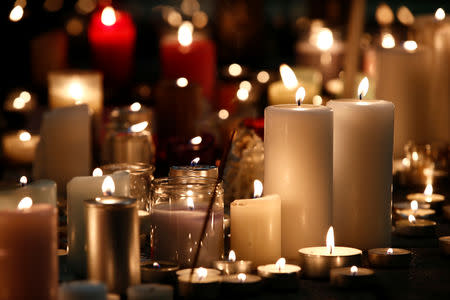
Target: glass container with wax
x,y
178,209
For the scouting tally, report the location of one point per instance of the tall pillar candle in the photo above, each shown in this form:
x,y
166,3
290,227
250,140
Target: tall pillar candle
x,y
363,143
79,189
28,260
298,143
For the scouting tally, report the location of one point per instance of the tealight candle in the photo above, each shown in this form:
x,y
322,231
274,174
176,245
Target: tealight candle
x,y
389,257
317,262
353,277
202,284
435,200
416,211
415,227
444,244
231,266
280,276
241,284
158,271
187,271
19,147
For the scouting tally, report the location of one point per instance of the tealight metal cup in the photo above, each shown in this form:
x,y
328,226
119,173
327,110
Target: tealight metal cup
x,y
380,258
233,267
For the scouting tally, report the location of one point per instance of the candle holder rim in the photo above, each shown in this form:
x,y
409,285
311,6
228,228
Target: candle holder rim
x,y
117,202
330,255
137,167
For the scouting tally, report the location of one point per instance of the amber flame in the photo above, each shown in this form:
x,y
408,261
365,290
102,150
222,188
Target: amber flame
x,y
257,188
232,256
108,186
108,16
288,77
330,240
185,33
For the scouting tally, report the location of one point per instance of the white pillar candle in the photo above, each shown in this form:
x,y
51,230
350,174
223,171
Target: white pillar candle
x,y
80,189
298,143
363,142
256,228
82,290
41,191
64,150
19,146
150,291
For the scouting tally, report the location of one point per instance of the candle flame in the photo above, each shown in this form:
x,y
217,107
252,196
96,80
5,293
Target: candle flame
x,y
136,106
324,39
288,77
330,240
281,263
415,156
257,188
24,136
139,127
300,95
246,85
76,91
16,13
405,16
354,270
195,161
428,190
23,180
223,114
263,77
190,203
196,140
156,265
25,203
235,70
390,251
406,162
182,82
97,172
410,46
108,16
242,94
19,103
232,256
388,41
384,14
412,219
317,100
414,205
440,14
242,277
26,96
108,186
201,273
363,88
185,33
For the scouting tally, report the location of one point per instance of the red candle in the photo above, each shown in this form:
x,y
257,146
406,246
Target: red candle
x,y
112,36
190,56
28,260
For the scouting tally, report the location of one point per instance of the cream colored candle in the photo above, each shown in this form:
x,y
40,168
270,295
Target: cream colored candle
x,y
298,143
41,191
363,141
256,228
20,146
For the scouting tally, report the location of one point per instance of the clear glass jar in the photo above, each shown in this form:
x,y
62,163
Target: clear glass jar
x,y
178,209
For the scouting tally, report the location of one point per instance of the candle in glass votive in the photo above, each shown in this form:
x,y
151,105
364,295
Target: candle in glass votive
x,y
241,284
280,276
202,284
316,262
415,227
352,277
194,170
389,257
19,147
233,266
435,200
416,211
158,271
444,245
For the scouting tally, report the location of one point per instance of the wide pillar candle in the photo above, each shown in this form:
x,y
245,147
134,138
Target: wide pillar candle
x,y
28,260
298,143
363,145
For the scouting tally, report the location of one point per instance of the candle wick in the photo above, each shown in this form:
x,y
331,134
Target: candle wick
x,y
360,96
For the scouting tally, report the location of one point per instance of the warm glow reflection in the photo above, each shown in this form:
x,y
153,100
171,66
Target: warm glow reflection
x,y
300,95
354,270
195,161
201,273
330,240
324,39
235,70
23,180
197,140
16,13
406,162
410,46
363,88
25,136
25,203
390,251
405,16
440,14
263,77
19,103
411,219
136,106
384,14
288,77
139,127
185,33
317,100
25,96
108,186
108,16
388,41
414,205
174,18
223,114
97,172
232,256
281,263
242,94
76,91
415,156
182,82
428,190
242,277
190,203
246,85
257,188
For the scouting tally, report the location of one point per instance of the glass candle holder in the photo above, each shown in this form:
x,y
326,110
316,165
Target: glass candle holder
x,y
178,210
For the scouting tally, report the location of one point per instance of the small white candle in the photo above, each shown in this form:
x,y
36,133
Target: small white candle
x,y
280,276
428,196
41,191
202,284
20,146
354,277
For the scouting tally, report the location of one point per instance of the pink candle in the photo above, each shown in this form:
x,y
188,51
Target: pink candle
x,y
28,260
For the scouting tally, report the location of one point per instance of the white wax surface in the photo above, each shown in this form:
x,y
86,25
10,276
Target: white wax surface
x,y
273,268
183,272
40,191
256,229
417,223
348,273
362,168
424,198
298,166
324,251
248,279
19,151
195,279
395,251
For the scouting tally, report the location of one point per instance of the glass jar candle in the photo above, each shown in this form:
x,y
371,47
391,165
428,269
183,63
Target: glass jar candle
x,y
178,209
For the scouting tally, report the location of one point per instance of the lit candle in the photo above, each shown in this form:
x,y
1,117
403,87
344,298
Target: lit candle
x,y
190,56
20,102
416,211
241,284
389,257
231,266
280,276
41,191
194,169
112,37
435,200
150,291
362,170
415,227
316,262
158,271
19,147
28,243
202,284
298,166
256,227
352,277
